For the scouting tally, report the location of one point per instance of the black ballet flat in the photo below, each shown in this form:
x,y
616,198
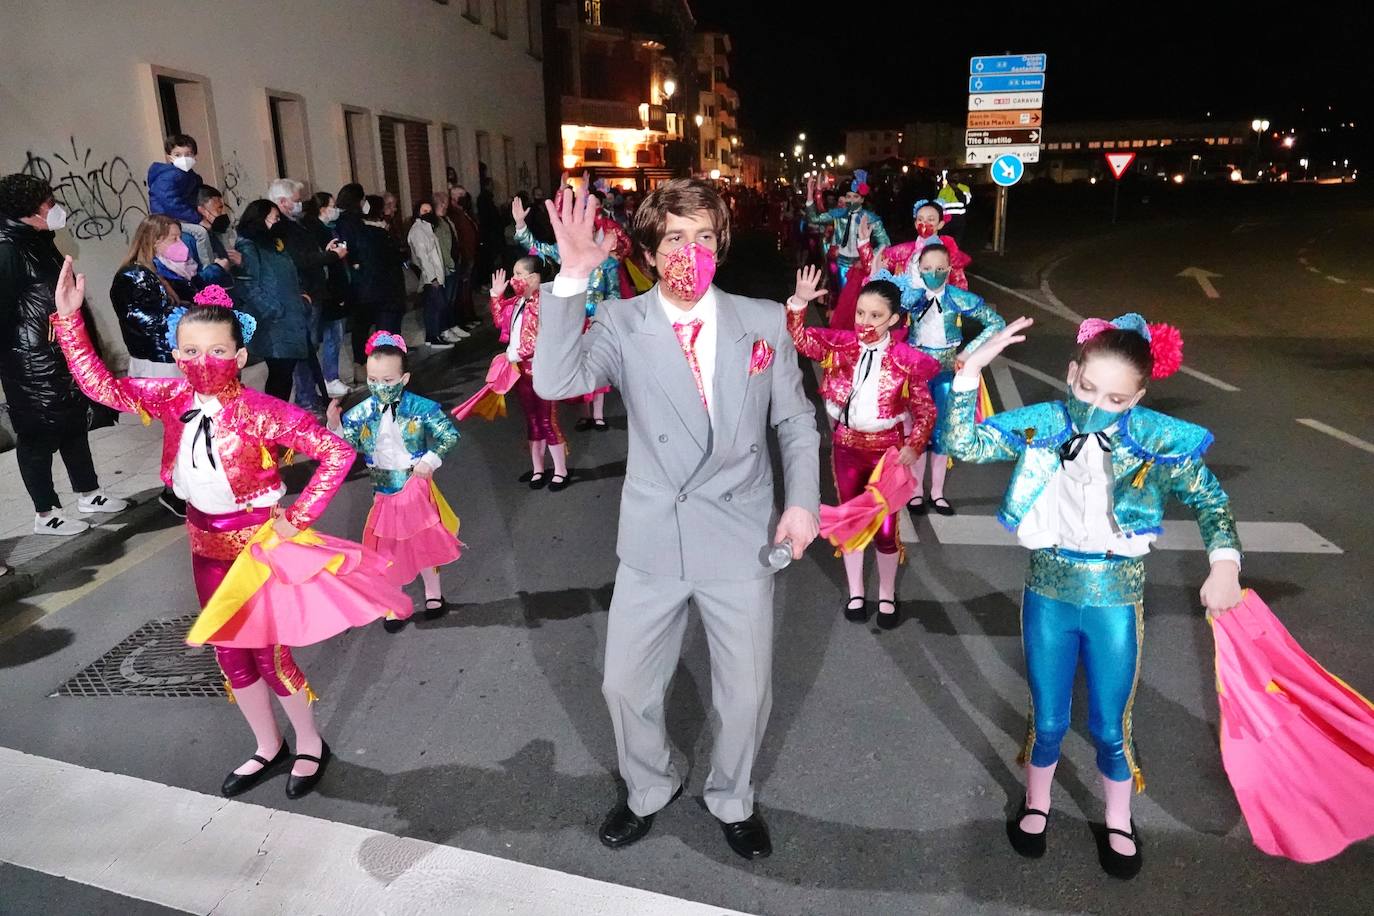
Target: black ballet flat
x,y
889,620
434,613
539,481
601,426
297,786
238,783
526,477
1113,862
916,505
584,424
558,483
942,506
1029,845
393,624
857,614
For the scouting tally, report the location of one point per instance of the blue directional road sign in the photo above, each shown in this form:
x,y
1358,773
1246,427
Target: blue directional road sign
x,y
1007,63
1025,82
1007,170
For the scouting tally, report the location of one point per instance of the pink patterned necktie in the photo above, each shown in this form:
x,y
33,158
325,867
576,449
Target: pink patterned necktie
x,y
687,333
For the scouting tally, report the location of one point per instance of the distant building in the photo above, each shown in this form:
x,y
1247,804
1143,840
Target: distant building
x,y
718,104
869,146
1076,151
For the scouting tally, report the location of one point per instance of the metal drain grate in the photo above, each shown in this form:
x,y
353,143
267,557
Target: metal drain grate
x,y
153,662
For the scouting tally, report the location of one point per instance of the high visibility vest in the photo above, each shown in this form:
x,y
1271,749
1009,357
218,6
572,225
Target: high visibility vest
x,y
953,199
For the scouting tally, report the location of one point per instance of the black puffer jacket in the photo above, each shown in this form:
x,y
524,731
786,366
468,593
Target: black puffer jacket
x,y
41,393
143,304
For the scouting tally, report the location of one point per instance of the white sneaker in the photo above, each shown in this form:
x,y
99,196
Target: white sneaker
x,y
55,524
455,334
439,344
335,388
99,502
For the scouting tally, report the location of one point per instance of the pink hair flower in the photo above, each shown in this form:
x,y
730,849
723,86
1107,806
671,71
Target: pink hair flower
x,y
214,295
1166,348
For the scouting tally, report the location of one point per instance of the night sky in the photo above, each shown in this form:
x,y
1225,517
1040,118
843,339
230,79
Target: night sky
x,y
910,61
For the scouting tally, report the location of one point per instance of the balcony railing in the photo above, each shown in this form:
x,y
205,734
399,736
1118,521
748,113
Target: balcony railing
x,y
600,113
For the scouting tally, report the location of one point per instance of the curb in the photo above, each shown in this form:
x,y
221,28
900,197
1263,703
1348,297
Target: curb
x,y
138,518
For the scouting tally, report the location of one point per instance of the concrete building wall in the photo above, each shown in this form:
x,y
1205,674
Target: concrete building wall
x,y
79,101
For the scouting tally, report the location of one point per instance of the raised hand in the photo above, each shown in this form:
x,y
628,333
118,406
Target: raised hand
x,y
519,211
865,230
334,414
810,284
71,289
498,283
979,359
573,217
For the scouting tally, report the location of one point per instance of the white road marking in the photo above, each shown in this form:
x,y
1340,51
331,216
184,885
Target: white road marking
x,y
1204,377
1367,289
1302,261
1204,280
1315,270
53,602
1006,387
906,527
202,854
1058,384
1057,309
1336,279
1335,433
1258,537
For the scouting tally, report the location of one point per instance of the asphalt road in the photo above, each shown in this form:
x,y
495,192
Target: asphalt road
x,y
888,769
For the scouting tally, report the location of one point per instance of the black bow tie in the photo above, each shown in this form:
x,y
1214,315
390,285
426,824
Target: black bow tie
x,y
1070,449
392,407
206,430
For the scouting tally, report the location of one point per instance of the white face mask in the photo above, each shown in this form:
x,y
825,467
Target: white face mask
x,y
293,209
367,208
57,217
185,163
329,214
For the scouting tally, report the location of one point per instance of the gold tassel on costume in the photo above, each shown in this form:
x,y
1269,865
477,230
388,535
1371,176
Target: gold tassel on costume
x,y
829,361
1139,480
1139,782
144,417
267,461
311,696
229,692
949,462
290,457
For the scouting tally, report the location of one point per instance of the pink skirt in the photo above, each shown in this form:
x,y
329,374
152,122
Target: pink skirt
x,y
408,528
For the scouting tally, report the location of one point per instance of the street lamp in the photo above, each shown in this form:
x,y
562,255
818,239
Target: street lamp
x,y
840,160
801,137
700,120
797,150
1259,126
1288,141
669,87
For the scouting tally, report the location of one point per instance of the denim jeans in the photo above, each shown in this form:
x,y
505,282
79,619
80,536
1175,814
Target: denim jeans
x,y
331,341
433,299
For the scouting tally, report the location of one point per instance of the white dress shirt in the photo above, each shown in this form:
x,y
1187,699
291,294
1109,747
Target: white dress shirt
x,y
863,399
389,451
931,330
202,485
1076,510
850,249
518,322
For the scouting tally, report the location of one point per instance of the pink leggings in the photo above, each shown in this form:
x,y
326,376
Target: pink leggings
x,y
241,667
853,467
541,416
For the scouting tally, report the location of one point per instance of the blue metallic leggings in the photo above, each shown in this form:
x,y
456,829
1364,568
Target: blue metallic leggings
x,y
1057,635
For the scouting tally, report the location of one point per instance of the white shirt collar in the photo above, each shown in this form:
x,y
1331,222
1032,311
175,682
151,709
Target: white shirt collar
x,y
880,347
933,294
705,308
209,407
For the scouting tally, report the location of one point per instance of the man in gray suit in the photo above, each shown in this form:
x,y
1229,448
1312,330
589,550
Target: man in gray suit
x,y
703,375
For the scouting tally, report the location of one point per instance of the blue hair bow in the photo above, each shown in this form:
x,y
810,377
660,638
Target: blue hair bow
x,y
248,325
926,202
911,295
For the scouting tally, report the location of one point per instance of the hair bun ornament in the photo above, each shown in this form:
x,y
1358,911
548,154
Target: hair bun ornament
x,y
1166,349
384,339
214,295
1091,327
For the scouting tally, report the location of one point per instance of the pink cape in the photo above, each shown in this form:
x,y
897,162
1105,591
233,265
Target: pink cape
x,y
408,529
1297,742
489,401
852,524
297,593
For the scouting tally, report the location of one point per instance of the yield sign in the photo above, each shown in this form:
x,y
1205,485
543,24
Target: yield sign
x,y
1119,163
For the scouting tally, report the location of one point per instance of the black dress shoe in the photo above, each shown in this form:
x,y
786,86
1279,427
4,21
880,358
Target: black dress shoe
x,y
856,614
623,827
526,477
942,506
888,620
558,483
539,481
601,426
583,424
1113,862
393,624
749,837
1030,845
238,783
296,786
434,613
917,505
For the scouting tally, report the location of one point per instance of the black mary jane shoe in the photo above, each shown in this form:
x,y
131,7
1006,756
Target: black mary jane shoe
x,y
584,424
297,786
1029,845
889,620
433,612
238,783
942,506
526,477
393,624
623,827
749,837
601,426
1113,862
539,481
916,505
856,614
558,483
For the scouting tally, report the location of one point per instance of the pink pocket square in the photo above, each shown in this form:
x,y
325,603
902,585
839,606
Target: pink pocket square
x,y
761,358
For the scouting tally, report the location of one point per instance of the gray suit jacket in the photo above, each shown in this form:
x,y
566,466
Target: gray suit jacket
x,y
697,502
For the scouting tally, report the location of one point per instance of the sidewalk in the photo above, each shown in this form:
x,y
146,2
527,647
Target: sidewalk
x,y
127,459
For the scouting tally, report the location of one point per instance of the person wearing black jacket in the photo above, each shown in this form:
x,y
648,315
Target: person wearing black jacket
x,y
321,216
49,413
377,285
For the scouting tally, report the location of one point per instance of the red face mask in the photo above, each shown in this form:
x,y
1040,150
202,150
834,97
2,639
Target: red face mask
x,y
519,286
869,335
925,230
210,375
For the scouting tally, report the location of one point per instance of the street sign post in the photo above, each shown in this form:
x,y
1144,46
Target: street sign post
x,y
1118,163
1004,129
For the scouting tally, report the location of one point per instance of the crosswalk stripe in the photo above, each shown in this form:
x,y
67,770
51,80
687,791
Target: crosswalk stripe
x,y
1258,537
202,854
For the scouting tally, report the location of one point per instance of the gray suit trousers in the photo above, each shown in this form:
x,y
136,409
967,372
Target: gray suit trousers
x,y
648,618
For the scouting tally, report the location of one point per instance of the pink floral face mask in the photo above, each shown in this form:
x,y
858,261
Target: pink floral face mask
x,y
688,271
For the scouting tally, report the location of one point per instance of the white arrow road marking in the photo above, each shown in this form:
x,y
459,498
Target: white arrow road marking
x,y
1258,537
1006,387
1204,280
1335,433
201,854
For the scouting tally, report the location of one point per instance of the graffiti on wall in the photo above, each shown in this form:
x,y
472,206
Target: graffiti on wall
x,y
235,182
102,197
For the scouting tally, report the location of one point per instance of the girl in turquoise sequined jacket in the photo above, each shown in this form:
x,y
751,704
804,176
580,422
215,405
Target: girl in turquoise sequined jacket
x,y
1087,495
